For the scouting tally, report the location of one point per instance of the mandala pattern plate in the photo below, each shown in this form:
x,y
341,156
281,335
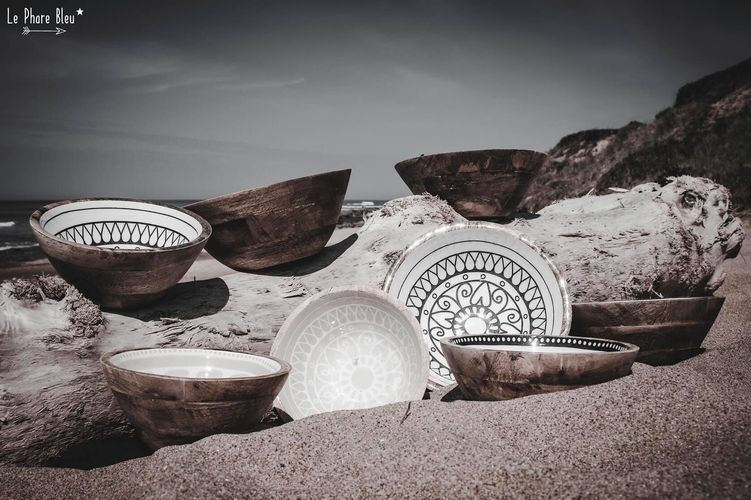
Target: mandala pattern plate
x,y
349,349
478,279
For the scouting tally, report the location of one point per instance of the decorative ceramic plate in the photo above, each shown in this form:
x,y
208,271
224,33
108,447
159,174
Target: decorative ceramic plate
x,y
478,278
350,348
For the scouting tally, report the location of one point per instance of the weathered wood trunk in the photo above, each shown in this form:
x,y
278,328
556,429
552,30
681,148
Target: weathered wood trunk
x,y
52,391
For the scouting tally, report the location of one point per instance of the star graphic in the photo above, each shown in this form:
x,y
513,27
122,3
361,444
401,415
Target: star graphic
x,y
79,12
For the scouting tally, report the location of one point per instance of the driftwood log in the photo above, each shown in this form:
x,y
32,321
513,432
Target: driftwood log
x,y
649,241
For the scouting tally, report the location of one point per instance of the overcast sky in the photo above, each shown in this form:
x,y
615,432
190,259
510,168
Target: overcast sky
x,y
187,99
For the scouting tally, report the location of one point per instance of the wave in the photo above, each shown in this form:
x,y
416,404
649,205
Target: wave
x,y
15,247
7,224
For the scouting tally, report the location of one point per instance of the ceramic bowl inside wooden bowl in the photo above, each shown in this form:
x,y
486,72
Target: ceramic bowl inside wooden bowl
x,y
176,396
120,253
497,367
477,184
276,224
350,348
666,330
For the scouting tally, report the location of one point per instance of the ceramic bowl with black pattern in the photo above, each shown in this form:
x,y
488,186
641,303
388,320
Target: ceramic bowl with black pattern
x,y
120,253
498,367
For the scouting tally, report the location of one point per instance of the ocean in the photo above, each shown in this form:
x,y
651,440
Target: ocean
x,y
18,246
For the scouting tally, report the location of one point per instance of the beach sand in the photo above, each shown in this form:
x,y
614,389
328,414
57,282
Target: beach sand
x,y
677,431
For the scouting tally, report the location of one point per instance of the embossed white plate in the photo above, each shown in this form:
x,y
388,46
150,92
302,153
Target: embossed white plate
x,y
478,278
350,348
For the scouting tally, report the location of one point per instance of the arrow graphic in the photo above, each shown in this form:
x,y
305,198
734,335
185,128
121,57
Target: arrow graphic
x,y
57,31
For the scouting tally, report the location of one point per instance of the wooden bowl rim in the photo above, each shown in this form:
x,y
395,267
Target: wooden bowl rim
x,y
708,298
40,231
243,193
630,348
474,152
284,367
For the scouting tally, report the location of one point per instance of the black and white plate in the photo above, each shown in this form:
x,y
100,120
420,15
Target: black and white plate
x,y
478,278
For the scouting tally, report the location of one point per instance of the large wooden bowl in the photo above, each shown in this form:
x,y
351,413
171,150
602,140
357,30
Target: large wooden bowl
x,y
176,396
666,330
477,184
120,253
276,224
498,367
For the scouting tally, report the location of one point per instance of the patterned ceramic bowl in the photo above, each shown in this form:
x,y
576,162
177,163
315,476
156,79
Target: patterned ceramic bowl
x,y
497,367
488,183
275,224
176,396
120,253
350,348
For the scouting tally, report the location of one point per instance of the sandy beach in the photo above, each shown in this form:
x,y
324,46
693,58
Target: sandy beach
x,y
676,431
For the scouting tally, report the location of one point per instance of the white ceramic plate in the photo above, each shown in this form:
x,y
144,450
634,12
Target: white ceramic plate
x,y
478,278
350,348
195,363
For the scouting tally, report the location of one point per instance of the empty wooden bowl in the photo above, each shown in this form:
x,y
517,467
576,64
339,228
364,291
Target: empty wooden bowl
x,y
477,184
498,367
276,224
176,396
120,253
666,330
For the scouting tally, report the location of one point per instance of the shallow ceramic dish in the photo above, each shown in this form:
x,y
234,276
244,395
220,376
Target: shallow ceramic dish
x,y
176,396
275,224
481,279
120,253
487,183
496,367
350,348
666,330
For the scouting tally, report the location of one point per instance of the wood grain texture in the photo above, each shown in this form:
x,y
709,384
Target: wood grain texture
x,y
276,224
666,330
491,375
486,183
170,410
119,279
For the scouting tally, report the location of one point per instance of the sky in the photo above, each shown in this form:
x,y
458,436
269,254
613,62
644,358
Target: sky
x,y
190,99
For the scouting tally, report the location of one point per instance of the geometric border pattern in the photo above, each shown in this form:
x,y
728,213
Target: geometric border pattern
x,y
585,344
490,289
123,232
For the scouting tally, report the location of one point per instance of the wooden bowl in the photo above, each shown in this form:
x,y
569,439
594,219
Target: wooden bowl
x,y
498,367
176,396
666,330
487,183
120,253
350,348
276,224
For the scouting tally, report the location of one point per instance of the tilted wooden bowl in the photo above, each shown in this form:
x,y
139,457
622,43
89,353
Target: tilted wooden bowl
x,y
176,396
498,367
276,224
486,183
120,253
666,330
